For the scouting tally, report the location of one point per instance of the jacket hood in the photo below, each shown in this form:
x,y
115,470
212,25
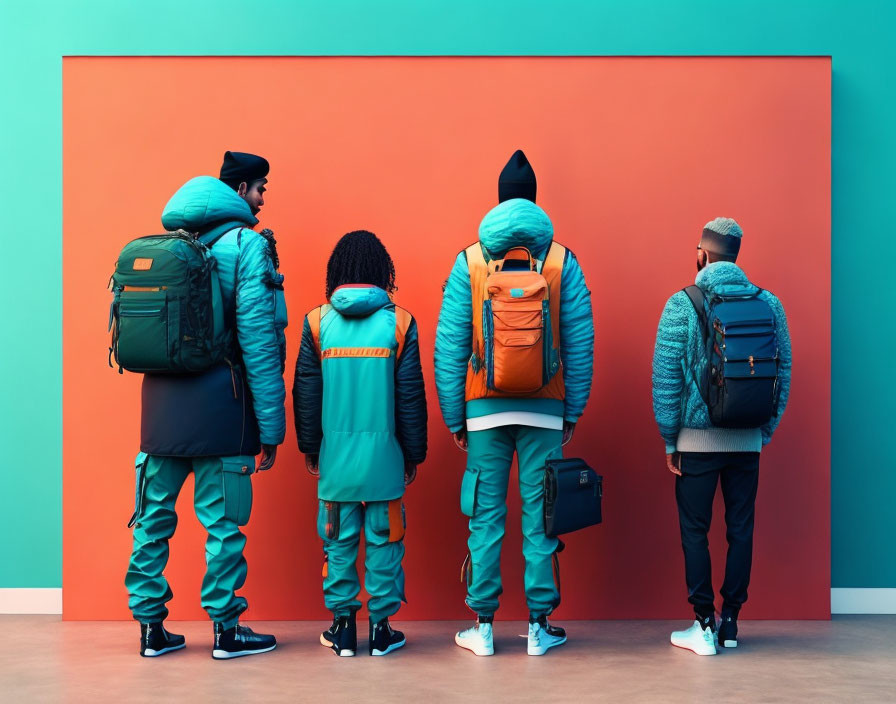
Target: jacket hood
x,y
724,278
516,223
359,300
202,201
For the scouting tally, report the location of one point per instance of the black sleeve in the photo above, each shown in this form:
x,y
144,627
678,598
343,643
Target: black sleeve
x,y
307,395
410,400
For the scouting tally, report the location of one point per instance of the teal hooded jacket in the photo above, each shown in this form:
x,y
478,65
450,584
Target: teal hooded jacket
x,y
679,359
358,402
252,291
514,223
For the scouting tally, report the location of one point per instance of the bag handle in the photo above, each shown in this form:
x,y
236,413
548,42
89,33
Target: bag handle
x,y
514,254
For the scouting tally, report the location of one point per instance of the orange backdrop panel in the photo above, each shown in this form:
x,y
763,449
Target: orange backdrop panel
x,y
632,155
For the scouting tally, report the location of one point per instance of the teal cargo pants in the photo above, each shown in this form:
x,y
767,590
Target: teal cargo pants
x,y
339,525
484,500
223,502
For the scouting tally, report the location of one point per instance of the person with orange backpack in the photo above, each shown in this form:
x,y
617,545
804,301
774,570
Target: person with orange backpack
x,y
360,413
513,363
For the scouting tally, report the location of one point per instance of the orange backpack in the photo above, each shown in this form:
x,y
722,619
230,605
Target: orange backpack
x,y
516,320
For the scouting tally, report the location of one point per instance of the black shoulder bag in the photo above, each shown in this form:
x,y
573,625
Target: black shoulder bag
x,y
572,496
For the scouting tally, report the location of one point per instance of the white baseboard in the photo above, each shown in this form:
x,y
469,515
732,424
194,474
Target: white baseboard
x,y
859,600
30,601
843,601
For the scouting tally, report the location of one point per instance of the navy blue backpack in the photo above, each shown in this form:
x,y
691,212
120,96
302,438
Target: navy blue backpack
x,y
740,384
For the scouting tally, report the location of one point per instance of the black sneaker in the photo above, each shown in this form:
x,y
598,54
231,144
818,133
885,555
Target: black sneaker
x,y
240,640
155,640
728,631
342,636
383,639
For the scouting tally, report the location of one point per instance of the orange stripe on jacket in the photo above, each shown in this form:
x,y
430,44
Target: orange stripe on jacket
x,y
402,325
356,352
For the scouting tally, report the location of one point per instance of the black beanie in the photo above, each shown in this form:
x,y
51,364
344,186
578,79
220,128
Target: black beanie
x,y
517,180
239,167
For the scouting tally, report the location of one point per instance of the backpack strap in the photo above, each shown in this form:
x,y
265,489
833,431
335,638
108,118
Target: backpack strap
x,y
314,318
698,300
402,325
478,274
552,271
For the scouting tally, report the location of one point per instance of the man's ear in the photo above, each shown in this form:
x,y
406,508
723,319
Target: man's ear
x,y
702,258
243,189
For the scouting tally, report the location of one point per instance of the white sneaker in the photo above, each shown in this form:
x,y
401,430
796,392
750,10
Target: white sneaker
x,y
699,640
543,636
478,639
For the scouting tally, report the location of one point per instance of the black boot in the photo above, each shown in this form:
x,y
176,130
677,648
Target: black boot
x,y
728,630
342,636
155,640
240,640
383,639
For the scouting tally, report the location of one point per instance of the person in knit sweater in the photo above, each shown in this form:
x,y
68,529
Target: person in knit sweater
x,y
700,455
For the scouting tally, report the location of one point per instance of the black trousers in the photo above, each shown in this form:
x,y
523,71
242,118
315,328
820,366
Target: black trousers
x,y
694,492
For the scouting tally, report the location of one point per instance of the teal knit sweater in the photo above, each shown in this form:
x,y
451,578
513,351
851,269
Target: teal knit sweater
x,y
679,360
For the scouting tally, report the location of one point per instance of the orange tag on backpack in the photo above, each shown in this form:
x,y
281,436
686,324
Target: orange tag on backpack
x,y
142,264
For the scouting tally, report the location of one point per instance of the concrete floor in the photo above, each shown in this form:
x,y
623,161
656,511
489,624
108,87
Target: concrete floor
x,y
849,659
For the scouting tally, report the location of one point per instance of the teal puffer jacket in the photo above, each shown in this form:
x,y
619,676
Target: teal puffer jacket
x,y
359,403
252,289
513,223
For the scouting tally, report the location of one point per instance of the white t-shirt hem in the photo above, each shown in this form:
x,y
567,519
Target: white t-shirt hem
x,y
533,420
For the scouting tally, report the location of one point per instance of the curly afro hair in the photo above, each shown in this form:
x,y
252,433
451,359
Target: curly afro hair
x,y
360,258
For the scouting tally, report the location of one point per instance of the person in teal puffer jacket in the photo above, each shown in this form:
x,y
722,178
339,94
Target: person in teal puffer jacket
x,y
703,456
492,427
215,422
360,412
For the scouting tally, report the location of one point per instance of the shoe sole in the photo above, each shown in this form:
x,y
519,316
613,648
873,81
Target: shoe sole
x,y
690,649
481,652
150,653
344,653
227,655
542,649
728,643
394,646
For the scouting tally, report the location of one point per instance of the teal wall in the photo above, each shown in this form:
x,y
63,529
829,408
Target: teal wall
x,y
35,35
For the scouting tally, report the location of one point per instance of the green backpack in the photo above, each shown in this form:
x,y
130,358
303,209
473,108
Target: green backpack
x,y
167,313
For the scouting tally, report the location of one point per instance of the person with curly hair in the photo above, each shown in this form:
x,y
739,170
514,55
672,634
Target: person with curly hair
x,y
360,414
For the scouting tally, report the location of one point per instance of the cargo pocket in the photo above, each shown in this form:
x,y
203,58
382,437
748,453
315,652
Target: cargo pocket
x,y
328,520
237,483
468,491
397,521
385,519
139,487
